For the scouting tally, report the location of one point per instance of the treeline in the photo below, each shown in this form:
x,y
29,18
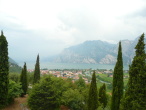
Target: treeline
x,y
51,93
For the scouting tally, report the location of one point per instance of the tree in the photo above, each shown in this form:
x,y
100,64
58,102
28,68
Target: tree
x,y
37,71
23,80
117,91
4,70
80,83
135,95
46,95
14,77
93,94
103,96
30,77
73,99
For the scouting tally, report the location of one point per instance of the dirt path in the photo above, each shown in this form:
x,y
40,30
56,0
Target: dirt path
x,y
19,104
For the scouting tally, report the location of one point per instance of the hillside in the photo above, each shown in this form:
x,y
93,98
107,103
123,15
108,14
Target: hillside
x,y
97,52
13,66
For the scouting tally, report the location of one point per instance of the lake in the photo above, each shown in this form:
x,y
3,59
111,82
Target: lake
x,y
49,65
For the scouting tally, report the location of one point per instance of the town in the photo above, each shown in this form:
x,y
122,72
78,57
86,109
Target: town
x,y
74,74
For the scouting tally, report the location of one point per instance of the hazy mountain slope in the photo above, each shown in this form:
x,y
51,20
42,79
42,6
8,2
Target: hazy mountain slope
x,y
88,52
12,61
13,66
97,52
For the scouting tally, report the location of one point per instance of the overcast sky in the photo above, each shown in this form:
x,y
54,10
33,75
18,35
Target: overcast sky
x,y
48,26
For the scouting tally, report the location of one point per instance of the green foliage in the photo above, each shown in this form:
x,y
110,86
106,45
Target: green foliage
x,y
73,99
117,92
101,108
4,70
69,84
104,77
102,96
135,95
30,77
14,90
23,80
46,95
37,71
14,68
80,83
85,93
14,77
93,94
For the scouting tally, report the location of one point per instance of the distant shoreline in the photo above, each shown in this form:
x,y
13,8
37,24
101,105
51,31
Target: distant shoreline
x,y
50,65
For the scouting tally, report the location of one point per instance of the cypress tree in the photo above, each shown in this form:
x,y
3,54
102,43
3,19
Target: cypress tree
x,y
4,70
37,71
135,96
103,96
93,94
117,91
23,80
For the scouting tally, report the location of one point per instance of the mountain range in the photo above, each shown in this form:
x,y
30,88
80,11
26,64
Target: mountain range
x,y
97,52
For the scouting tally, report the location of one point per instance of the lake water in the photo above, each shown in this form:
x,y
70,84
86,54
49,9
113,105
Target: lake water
x,y
49,65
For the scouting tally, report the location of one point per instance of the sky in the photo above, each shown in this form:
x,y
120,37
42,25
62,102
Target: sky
x,y
46,27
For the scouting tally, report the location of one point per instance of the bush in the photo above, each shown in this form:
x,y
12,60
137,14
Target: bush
x,y
14,77
73,99
13,91
30,77
46,95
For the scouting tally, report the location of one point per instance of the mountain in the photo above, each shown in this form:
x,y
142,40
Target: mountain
x,y
97,52
12,61
13,66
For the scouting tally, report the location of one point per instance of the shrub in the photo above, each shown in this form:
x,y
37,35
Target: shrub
x,y
73,99
46,95
14,90
14,77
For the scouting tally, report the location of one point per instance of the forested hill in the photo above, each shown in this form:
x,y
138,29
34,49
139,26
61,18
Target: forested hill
x,y
97,51
13,66
12,61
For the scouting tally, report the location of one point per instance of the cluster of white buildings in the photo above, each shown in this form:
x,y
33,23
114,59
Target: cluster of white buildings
x,y
74,75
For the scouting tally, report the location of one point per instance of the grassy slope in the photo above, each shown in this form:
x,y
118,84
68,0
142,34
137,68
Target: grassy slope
x,y
104,77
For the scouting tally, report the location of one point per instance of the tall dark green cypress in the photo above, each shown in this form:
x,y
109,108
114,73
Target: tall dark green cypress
x,y
37,71
103,96
117,91
4,70
135,95
23,80
93,94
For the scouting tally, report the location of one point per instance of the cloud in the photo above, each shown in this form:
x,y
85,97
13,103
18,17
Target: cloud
x,y
46,27
91,25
